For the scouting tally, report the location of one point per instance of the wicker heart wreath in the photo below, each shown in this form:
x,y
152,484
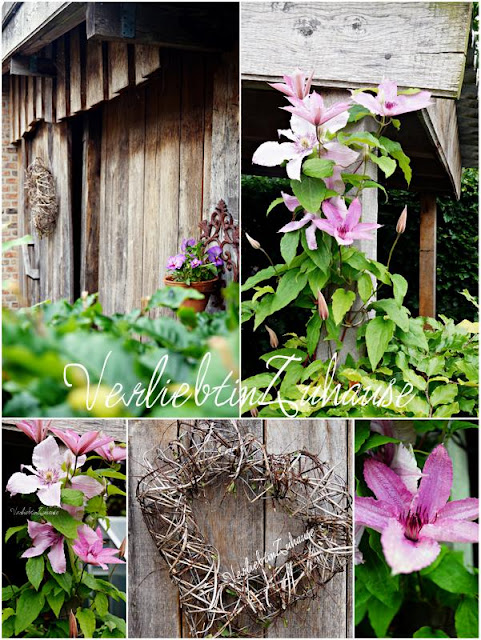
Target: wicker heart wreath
x,y
298,483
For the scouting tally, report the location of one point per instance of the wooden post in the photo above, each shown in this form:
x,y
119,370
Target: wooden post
x,y
427,256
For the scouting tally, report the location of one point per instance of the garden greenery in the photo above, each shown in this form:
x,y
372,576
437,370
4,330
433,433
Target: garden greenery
x,y
343,290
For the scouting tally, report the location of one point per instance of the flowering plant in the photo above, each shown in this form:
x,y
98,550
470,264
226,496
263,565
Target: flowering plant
x,y
63,536
353,304
195,262
406,510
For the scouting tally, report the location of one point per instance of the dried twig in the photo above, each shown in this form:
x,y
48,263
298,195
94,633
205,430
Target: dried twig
x,y
42,198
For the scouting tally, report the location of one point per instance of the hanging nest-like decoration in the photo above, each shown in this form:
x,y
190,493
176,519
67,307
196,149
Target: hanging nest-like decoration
x,y
42,198
298,483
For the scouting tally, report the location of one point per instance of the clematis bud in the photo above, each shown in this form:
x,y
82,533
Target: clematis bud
x,y
72,625
254,244
322,306
401,223
273,339
122,548
254,412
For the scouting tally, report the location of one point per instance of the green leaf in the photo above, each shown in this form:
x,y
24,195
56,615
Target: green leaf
x,y
313,333
61,521
444,394
400,287
359,139
318,168
310,192
387,165
35,568
413,378
447,410
342,301
290,285
380,616
395,150
101,604
12,530
172,297
110,473
321,256
377,440
364,287
395,313
72,497
289,243
466,618
361,434
317,280
429,632
29,606
274,204
357,112
7,613
64,580
263,274
396,123
86,620
379,333
112,490
451,575
56,600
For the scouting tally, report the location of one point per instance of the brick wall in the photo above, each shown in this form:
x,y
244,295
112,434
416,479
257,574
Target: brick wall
x,y
9,203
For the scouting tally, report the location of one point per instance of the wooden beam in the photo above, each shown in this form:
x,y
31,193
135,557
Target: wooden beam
x,y
185,25
36,24
427,256
353,44
32,66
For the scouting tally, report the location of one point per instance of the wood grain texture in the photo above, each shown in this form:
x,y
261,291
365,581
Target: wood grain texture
x,y
77,78
116,429
48,90
118,66
153,600
327,616
94,74
420,44
61,80
427,256
147,60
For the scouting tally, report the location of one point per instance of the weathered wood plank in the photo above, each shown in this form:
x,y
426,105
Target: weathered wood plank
x,y
31,102
48,91
36,66
90,206
114,428
153,599
12,108
427,256
39,99
191,146
118,62
94,74
22,104
147,61
327,617
77,75
61,81
358,45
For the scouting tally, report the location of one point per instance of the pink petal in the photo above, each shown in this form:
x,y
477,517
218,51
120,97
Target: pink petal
x,y
57,557
342,155
387,486
435,485
293,167
405,466
36,529
297,224
291,202
68,437
49,494
335,210
335,182
354,214
311,237
46,455
90,487
75,512
287,133
325,225
373,513
368,101
467,509
334,111
21,483
271,154
406,556
302,127
415,102
86,440
388,90
452,531
362,227
336,123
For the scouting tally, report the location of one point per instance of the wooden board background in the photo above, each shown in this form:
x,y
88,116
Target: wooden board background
x,y
237,528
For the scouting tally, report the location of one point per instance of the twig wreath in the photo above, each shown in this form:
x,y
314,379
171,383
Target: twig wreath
x,y
298,483
42,197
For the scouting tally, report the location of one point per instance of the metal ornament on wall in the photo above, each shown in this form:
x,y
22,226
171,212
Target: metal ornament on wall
x,y
222,230
42,197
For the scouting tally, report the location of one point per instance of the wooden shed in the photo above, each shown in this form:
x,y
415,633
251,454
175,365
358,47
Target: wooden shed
x,y
427,45
133,107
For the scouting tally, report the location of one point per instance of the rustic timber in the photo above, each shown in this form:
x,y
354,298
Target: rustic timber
x,y
36,24
32,66
417,44
146,61
184,25
29,271
427,256
77,64
118,77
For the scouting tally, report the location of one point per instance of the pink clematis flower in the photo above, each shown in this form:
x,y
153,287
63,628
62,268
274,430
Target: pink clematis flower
x,y
308,219
47,474
89,548
112,453
297,85
343,223
79,444
389,103
44,537
312,109
36,430
412,524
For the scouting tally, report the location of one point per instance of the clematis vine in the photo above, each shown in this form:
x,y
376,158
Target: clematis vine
x,y
343,223
413,523
79,444
388,102
312,109
44,537
36,430
112,453
297,85
89,547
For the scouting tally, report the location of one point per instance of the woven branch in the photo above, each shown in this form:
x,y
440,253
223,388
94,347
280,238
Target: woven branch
x,y
298,483
42,197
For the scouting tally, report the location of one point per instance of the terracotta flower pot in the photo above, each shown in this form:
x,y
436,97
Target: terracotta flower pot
x,y
206,287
